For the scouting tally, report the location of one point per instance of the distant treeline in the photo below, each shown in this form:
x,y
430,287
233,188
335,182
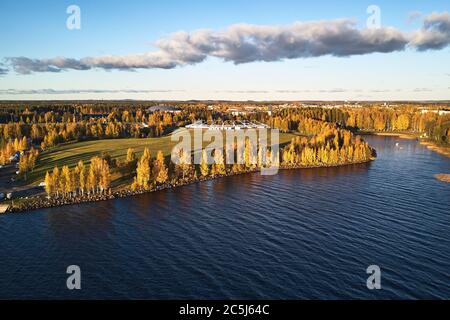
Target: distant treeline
x,y
433,125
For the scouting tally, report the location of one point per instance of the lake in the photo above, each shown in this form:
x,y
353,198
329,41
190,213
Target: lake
x,y
301,234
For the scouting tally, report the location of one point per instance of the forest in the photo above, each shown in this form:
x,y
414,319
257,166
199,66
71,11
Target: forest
x,y
321,136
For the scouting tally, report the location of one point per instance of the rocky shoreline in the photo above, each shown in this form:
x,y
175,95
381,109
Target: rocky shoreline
x,y
44,202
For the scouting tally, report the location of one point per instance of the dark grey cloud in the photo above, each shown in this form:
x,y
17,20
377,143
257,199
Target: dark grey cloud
x,y
78,91
3,70
435,33
244,43
25,65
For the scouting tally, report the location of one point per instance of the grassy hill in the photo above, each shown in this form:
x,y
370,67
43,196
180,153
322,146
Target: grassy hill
x,y
70,153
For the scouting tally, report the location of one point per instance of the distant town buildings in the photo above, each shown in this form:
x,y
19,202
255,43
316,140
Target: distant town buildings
x,y
439,112
232,125
236,112
331,106
170,109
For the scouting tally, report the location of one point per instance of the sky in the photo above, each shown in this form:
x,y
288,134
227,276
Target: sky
x,y
232,50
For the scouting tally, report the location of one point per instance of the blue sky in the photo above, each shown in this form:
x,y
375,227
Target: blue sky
x,y
37,30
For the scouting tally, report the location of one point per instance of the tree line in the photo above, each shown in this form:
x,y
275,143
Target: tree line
x,y
433,125
80,180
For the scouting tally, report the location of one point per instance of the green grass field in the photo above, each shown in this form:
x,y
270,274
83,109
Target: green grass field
x,y
70,153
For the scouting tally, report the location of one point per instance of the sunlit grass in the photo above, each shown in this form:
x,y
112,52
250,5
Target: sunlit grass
x,y
70,153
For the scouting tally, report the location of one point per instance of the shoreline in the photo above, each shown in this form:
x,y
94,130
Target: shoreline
x,y
444,177
431,145
402,135
445,151
44,203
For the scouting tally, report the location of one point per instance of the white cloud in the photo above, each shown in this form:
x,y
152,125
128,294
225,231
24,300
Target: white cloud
x,y
244,43
78,91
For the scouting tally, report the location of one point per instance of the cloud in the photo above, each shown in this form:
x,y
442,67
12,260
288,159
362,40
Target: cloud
x,y
413,16
25,65
246,91
78,91
244,43
435,33
335,90
293,91
422,90
3,70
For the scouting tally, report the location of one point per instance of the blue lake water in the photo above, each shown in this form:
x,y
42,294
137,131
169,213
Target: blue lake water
x,y
304,234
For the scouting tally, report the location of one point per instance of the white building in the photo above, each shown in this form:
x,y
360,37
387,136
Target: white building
x,y
234,125
439,112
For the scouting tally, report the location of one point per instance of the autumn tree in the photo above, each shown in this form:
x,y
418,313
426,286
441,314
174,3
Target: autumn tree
x,y
55,180
249,154
218,167
143,172
105,176
66,181
49,185
159,170
92,177
24,166
131,156
82,178
204,168
183,168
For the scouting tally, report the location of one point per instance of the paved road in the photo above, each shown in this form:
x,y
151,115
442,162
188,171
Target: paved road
x,y
18,190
